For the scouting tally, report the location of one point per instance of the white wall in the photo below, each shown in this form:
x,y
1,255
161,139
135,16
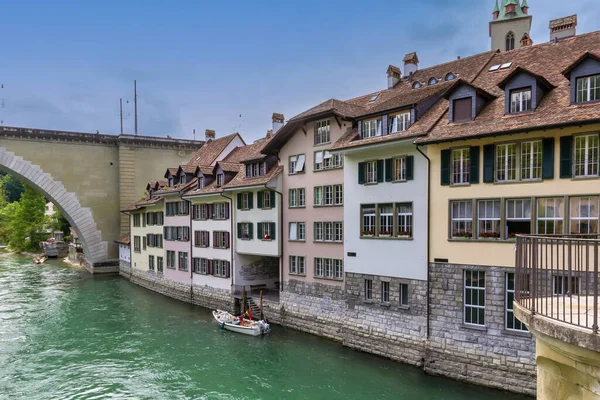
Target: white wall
x,y
236,142
124,252
386,257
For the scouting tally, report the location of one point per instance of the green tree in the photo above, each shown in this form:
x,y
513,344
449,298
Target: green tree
x,y
7,214
26,229
13,188
57,222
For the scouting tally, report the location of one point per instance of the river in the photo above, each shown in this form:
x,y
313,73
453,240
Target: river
x,y
67,335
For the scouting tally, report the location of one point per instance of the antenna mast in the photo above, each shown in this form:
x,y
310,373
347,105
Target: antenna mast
x,y
135,104
121,113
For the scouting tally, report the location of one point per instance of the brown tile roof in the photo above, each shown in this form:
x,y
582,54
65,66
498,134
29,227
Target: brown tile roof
x,y
179,188
251,152
188,169
240,179
229,166
211,150
206,169
207,190
141,203
548,60
125,239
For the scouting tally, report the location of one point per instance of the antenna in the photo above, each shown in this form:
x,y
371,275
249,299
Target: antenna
x,y
121,113
194,134
135,105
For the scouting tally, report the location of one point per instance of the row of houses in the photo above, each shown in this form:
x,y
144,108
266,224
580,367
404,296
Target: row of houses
x,y
388,221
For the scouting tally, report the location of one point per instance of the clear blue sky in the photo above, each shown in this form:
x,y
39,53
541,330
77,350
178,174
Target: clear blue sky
x,y
202,64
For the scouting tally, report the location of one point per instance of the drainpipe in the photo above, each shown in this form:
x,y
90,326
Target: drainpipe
x,y
428,236
191,253
231,237
280,237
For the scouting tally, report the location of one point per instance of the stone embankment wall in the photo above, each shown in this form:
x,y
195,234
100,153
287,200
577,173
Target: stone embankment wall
x,y
490,357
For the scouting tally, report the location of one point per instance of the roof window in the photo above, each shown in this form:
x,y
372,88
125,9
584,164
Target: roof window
x,y
450,76
494,68
506,65
374,97
417,85
432,81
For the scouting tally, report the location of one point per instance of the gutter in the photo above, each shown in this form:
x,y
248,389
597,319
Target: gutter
x,y
428,236
230,233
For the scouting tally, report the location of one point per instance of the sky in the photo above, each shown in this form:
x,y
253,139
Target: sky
x,y
225,65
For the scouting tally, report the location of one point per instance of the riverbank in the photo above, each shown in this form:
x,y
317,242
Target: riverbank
x,y
399,335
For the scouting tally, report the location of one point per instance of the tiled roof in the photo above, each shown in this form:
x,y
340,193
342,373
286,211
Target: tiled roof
x,y
179,188
209,189
229,166
125,239
206,169
548,60
240,179
141,203
251,152
211,150
188,169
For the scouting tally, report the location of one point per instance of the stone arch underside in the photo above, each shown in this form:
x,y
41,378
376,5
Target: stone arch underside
x,y
80,218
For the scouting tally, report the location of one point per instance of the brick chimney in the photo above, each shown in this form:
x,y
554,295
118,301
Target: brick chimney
x,y
210,134
411,63
278,120
393,76
563,28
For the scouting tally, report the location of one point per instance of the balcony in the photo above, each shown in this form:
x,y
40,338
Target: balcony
x,y
557,297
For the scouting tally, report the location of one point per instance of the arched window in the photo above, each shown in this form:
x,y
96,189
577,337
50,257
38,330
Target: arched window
x,y
416,85
432,81
510,41
450,76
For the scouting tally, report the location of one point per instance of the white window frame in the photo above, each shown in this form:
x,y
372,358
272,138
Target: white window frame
x,y
520,100
587,88
531,151
368,220
318,196
338,232
404,219
461,218
322,132
371,172
399,169
403,288
506,162
586,157
338,195
338,267
561,282
319,232
386,219
461,166
328,195
486,218
318,272
371,128
580,217
297,232
399,122
220,178
509,312
555,203
467,307
519,211
385,292
267,199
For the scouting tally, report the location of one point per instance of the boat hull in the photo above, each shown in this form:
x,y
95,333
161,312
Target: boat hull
x,y
252,328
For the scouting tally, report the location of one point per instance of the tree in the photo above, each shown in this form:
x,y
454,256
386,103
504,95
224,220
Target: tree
x,y
57,222
28,221
13,188
7,214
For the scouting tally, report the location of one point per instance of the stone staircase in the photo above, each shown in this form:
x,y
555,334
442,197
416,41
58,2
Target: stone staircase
x,y
254,307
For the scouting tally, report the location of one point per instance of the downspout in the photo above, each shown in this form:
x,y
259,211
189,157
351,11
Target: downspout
x,y
428,237
128,213
190,258
230,233
281,241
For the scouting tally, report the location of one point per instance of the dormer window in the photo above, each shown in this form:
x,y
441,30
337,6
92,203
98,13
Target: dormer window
x,y
432,81
371,128
256,169
416,85
170,181
150,193
182,179
520,100
399,122
220,178
201,182
588,89
463,109
450,76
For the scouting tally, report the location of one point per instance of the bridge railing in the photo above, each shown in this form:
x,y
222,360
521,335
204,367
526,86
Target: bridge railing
x,y
556,276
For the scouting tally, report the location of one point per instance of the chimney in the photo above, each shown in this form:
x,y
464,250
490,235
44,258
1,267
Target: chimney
x,y
269,134
210,134
277,122
393,75
563,28
411,63
526,41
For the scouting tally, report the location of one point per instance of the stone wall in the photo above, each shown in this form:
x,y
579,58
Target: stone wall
x,y
489,355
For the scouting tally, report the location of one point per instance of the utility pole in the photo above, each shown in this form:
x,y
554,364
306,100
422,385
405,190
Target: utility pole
x,y
135,104
121,113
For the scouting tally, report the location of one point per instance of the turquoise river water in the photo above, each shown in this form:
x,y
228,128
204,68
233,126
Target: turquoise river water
x,y
67,335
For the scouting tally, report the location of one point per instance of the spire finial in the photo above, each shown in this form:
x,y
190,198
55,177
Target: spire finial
x,y
496,9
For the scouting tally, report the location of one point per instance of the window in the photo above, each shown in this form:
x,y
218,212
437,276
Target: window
x,y
506,162
450,76
326,160
328,267
318,232
399,122
588,89
328,195
170,259
198,264
520,100
318,267
297,198
297,265
328,232
246,201
266,230
405,219
297,231
586,155
183,259
338,195
562,285
338,269
221,240
386,219
385,292
518,218
338,232
371,128
201,239
510,41
144,241
220,178
488,214
462,110
318,201
368,289
371,168
531,160
404,294
416,85
159,265
182,179
328,192
296,164
322,129
399,173
220,211
550,216
177,208
584,215
368,213
256,169
511,321
462,219
220,268
137,220
136,244
170,181
474,298
151,263
201,182
245,230
432,81
266,199
461,164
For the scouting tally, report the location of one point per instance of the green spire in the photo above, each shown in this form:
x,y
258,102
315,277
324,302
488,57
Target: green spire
x,y
496,9
524,4
518,10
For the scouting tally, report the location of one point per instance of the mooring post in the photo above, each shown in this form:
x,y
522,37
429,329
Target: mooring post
x,y
261,308
243,299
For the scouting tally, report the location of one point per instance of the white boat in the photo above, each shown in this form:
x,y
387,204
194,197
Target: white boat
x,y
244,326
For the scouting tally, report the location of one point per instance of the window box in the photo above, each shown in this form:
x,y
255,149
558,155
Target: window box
x,y
368,234
405,234
489,235
267,238
245,236
462,235
385,233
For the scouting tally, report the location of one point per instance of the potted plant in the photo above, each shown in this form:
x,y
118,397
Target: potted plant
x,y
513,235
404,234
267,237
385,233
368,233
462,235
489,235
245,236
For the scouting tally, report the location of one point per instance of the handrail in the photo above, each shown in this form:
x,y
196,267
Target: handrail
x,y
557,276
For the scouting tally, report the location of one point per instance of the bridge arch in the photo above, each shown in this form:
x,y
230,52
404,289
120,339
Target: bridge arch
x,y
80,218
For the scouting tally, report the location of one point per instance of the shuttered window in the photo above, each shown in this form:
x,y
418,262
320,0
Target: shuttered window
x,y
462,110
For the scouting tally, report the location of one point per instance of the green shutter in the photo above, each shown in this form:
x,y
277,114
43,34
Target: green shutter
x,y
239,201
445,167
566,157
259,228
488,163
361,173
250,201
273,231
474,164
548,158
272,199
410,168
380,171
388,169
259,199
250,231
239,229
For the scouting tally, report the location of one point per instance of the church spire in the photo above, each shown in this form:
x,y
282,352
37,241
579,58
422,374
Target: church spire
x,y
496,11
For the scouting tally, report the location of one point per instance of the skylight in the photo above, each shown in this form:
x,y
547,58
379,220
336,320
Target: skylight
x,y
374,97
416,85
506,65
494,68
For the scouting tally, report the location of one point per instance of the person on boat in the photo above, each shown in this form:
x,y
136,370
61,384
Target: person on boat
x,y
250,315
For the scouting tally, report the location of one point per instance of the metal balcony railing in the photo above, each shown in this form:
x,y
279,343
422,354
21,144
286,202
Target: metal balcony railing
x,y
556,276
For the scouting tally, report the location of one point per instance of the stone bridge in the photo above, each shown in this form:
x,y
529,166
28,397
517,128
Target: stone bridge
x,y
89,177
